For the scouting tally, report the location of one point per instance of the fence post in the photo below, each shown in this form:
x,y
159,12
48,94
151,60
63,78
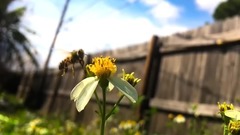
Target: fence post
x,y
22,85
150,79
54,94
25,85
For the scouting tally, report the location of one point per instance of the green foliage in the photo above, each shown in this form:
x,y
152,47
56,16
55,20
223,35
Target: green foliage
x,y
227,9
190,126
14,119
23,122
14,45
27,123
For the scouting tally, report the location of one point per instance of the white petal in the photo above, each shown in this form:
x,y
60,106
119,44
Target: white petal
x,y
110,86
127,89
85,93
79,87
233,114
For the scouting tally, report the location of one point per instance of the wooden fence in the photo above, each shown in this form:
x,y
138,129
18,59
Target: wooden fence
x,y
174,79
190,80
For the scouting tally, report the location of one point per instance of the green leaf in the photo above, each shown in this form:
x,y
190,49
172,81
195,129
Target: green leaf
x,y
127,89
233,114
83,91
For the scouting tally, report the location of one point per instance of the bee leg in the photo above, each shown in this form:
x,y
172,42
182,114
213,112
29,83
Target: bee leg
x,y
64,71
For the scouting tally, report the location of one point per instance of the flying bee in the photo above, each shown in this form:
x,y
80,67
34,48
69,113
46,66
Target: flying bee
x,y
74,57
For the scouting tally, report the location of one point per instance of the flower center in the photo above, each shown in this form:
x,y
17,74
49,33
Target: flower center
x,y
102,67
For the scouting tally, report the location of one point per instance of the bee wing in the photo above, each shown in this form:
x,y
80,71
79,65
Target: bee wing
x,y
60,54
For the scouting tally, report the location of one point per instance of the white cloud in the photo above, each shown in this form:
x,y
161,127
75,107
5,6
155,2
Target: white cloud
x,y
151,2
110,33
163,10
93,33
208,5
45,28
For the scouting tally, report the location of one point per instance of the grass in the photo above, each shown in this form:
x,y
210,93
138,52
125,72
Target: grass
x,y
15,119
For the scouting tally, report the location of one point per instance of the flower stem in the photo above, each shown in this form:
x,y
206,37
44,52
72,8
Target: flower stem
x,y
225,131
115,105
104,84
103,115
98,102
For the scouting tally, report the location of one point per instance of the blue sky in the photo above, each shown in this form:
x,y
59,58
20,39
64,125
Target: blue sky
x,y
96,25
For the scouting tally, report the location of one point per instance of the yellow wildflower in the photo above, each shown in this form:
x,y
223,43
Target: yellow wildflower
x,y
113,130
102,69
127,124
234,127
224,106
130,78
170,116
137,133
33,127
179,119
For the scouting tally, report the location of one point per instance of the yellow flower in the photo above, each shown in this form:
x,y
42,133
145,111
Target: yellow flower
x,y
137,133
170,116
127,124
33,127
101,69
234,127
224,107
130,78
179,119
113,130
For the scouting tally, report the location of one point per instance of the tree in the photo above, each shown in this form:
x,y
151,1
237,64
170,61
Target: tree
x,y
14,45
227,9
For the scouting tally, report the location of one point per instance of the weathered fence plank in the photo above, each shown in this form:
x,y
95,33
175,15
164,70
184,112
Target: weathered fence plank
x,y
206,110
